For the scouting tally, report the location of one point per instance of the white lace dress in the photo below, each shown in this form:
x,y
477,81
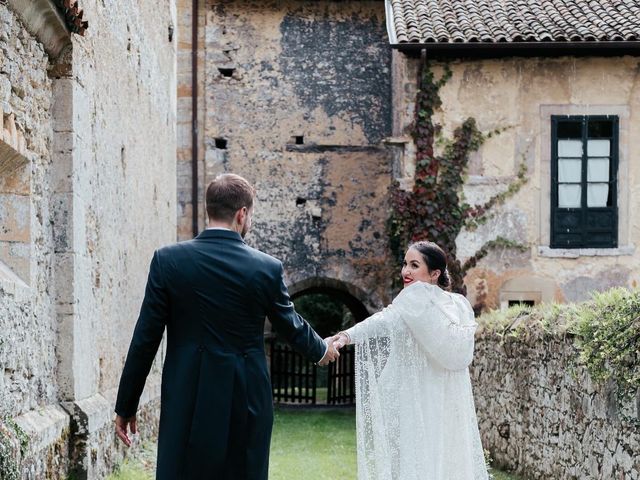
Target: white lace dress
x,y
415,414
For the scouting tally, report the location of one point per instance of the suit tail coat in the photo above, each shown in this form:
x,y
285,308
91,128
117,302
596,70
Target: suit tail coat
x,y
212,295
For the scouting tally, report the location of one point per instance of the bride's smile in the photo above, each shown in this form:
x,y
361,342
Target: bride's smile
x,y
414,268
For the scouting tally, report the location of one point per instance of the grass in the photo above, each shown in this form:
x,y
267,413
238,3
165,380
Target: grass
x,y
313,444
139,465
309,444
321,393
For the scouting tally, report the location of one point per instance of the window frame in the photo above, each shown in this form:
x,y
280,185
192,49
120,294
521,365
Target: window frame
x,y
584,209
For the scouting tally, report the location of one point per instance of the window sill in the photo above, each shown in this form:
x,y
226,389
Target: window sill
x,y
545,251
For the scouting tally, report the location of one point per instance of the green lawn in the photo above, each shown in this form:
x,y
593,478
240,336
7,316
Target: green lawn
x,y
306,444
313,445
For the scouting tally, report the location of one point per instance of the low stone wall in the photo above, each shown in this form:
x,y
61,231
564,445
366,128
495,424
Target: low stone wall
x,y
541,415
73,440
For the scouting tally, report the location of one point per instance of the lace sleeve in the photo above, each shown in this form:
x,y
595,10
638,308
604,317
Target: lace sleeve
x,y
442,323
377,325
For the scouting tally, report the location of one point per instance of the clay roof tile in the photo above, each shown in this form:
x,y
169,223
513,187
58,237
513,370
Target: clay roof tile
x,y
72,15
445,21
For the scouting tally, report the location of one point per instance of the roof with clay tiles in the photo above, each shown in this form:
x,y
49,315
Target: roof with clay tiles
x,y
72,15
513,21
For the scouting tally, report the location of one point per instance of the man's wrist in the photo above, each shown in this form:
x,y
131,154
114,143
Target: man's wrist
x,y
326,350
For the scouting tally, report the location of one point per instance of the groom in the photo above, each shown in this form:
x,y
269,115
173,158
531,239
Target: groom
x,y
212,294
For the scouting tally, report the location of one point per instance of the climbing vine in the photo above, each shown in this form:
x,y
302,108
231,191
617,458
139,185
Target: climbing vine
x,y
434,209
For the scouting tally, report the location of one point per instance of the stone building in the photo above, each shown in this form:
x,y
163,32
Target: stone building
x,y
559,81
313,101
308,100
87,192
296,96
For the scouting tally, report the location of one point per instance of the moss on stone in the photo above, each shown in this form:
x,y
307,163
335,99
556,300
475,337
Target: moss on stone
x,y
9,461
606,330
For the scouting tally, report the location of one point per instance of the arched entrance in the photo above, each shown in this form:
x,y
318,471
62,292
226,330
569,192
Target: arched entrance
x,y
329,305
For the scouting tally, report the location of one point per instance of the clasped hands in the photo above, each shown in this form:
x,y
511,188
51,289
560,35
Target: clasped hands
x,y
334,344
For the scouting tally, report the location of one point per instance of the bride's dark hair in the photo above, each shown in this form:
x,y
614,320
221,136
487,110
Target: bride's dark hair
x,y
436,259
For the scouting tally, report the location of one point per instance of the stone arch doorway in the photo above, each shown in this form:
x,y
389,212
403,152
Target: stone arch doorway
x,y
351,296
329,305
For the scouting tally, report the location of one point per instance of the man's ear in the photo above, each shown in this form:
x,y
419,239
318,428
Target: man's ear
x,y
241,215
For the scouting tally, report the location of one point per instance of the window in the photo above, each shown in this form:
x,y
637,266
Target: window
x,y
526,303
584,170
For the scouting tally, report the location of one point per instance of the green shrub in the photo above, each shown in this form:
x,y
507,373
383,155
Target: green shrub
x,y
608,338
607,331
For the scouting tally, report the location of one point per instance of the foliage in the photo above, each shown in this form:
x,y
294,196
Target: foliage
x,y
607,331
324,313
130,471
140,463
9,432
434,209
520,321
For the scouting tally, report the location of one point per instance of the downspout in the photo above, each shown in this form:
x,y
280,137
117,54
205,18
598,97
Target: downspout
x,y
194,118
390,22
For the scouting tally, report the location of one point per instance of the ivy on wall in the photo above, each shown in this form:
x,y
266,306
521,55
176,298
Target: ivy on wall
x,y
435,209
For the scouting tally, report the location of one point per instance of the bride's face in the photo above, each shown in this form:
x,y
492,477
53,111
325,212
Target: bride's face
x,y
414,269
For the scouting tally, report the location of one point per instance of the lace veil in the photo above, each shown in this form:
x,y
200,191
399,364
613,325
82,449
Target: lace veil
x,y
414,405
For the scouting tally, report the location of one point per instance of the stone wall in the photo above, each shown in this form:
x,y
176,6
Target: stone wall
x,y
541,415
27,317
297,99
87,192
519,95
119,204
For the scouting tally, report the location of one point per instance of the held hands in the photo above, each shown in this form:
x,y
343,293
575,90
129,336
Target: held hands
x,y
121,428
340,339
331,355
334,344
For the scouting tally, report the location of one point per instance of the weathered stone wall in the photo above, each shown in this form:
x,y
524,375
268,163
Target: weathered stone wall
x,y
126,191
27,317
297,99
90,193
121,206
541,415
519,95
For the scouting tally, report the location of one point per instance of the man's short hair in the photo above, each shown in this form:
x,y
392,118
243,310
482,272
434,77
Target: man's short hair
x,y
227,194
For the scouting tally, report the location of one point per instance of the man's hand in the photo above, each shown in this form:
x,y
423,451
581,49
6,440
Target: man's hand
x,y
122,424
331,355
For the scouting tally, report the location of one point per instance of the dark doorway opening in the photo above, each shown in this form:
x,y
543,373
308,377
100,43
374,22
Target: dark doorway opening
x,y
297,381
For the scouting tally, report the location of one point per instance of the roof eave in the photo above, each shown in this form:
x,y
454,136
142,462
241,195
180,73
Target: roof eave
x,y
522,48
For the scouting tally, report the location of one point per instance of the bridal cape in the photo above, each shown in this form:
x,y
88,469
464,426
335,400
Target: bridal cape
x,y
415,414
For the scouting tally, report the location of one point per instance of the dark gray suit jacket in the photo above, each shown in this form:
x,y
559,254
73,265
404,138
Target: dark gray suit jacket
x,y
212,295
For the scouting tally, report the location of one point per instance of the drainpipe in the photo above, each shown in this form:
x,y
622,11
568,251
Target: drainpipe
x,y
194,118
423,64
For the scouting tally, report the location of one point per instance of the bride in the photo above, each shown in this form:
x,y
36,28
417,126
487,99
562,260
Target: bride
x,y
415,414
